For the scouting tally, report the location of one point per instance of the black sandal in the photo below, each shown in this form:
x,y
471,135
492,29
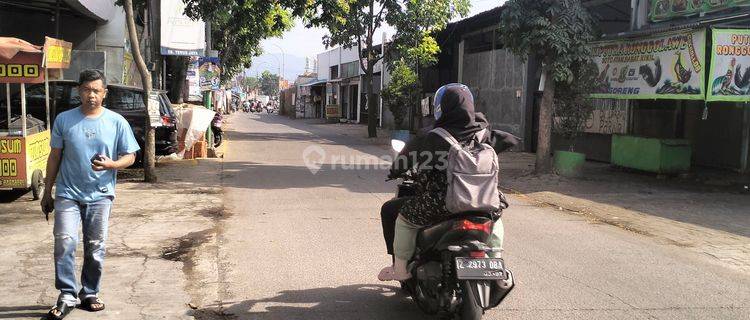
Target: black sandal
x,y
63,310
88,304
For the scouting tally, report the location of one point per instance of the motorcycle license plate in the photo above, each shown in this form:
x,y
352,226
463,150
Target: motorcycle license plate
x,y
480,268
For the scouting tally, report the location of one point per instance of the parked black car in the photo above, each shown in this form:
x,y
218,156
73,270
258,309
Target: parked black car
x,y
125,100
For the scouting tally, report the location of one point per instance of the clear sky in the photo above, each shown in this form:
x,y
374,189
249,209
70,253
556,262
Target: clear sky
x,y
303,42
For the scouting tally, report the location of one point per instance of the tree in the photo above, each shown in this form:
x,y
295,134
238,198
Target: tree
x,y
238,27
269,83
149,154
354,23
402,92
557,33
250,83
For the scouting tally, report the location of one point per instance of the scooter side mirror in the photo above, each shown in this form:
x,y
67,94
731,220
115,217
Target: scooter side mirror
x,y
397,145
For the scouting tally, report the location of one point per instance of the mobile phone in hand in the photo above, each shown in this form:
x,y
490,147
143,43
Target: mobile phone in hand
x,y
97,157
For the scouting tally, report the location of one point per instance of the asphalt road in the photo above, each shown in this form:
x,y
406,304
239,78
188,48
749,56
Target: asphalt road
x,y
298,245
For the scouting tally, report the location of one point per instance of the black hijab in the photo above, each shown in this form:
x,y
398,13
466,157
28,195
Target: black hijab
x,y
459,117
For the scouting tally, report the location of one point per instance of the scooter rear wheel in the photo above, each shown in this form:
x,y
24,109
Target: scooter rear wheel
x,y
470,308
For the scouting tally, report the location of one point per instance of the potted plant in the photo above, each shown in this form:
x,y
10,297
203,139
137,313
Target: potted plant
x,y
572,109
401,94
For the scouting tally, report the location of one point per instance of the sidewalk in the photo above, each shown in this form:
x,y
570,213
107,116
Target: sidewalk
x,y
161,251
704,214
711,219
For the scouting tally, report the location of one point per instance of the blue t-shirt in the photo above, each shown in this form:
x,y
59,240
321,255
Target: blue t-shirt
x,y
81,138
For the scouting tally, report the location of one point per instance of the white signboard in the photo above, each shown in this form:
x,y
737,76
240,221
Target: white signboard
x,y
665,66
180,36
194,80
153,110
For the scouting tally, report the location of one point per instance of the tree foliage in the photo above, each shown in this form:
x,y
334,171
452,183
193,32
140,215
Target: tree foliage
x,y
238,27
269,83
557,32
573,107
402,92
355,23
250,82
417,23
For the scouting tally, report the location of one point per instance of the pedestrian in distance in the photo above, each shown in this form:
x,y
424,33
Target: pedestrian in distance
x,y
89,144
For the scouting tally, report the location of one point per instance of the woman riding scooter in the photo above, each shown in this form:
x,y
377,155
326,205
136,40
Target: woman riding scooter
x,y
403,218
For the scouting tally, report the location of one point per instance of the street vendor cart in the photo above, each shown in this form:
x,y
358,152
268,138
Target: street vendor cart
x,y
25,140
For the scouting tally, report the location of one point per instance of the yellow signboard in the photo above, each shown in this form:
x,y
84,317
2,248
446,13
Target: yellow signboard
x,y
57,53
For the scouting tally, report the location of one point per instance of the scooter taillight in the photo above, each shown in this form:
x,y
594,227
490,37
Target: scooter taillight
x,y
166,120
467,225
478,254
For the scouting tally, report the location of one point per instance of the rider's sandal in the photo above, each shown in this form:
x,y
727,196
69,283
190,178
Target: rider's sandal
x,y
389,274
89,303
59,311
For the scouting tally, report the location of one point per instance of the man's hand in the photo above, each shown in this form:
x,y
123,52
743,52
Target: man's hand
x,y
48,204
104,163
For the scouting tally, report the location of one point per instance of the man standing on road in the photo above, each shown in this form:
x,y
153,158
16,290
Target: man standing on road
x,y
89,144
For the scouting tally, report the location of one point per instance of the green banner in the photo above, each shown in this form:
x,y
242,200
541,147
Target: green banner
x,y
662,10
663,66
729,79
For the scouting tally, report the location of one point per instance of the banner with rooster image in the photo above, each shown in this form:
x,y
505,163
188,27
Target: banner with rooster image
x,y
665,66
661,10
730,66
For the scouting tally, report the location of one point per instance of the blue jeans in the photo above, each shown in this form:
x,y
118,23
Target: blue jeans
x,y
94,217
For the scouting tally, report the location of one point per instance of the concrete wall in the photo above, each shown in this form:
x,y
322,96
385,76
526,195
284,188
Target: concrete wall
x,y
110,39
716,141
338,56
497,79
326,60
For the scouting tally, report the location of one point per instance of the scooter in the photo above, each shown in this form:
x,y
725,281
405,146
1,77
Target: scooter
x,y
452,272
216,128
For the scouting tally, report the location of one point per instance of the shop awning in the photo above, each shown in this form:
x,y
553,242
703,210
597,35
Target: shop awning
x,y
9,47
316,82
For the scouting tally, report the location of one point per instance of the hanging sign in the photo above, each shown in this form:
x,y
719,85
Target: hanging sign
x,y
729,79
210,73
57,53
194,80
666,66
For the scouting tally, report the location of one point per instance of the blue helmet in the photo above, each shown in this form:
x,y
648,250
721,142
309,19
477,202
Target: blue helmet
x,y
438,111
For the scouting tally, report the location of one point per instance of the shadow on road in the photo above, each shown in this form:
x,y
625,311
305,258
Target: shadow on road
x,y
360,301
13,195
675,199
17,312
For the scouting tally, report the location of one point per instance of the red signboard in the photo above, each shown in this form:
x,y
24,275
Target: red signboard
x,y
12,162
24,67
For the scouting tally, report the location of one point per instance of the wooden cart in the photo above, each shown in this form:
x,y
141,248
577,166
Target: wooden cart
x,y
24,146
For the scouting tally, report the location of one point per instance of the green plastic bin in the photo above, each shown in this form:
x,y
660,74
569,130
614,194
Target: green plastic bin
x,y
663,156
